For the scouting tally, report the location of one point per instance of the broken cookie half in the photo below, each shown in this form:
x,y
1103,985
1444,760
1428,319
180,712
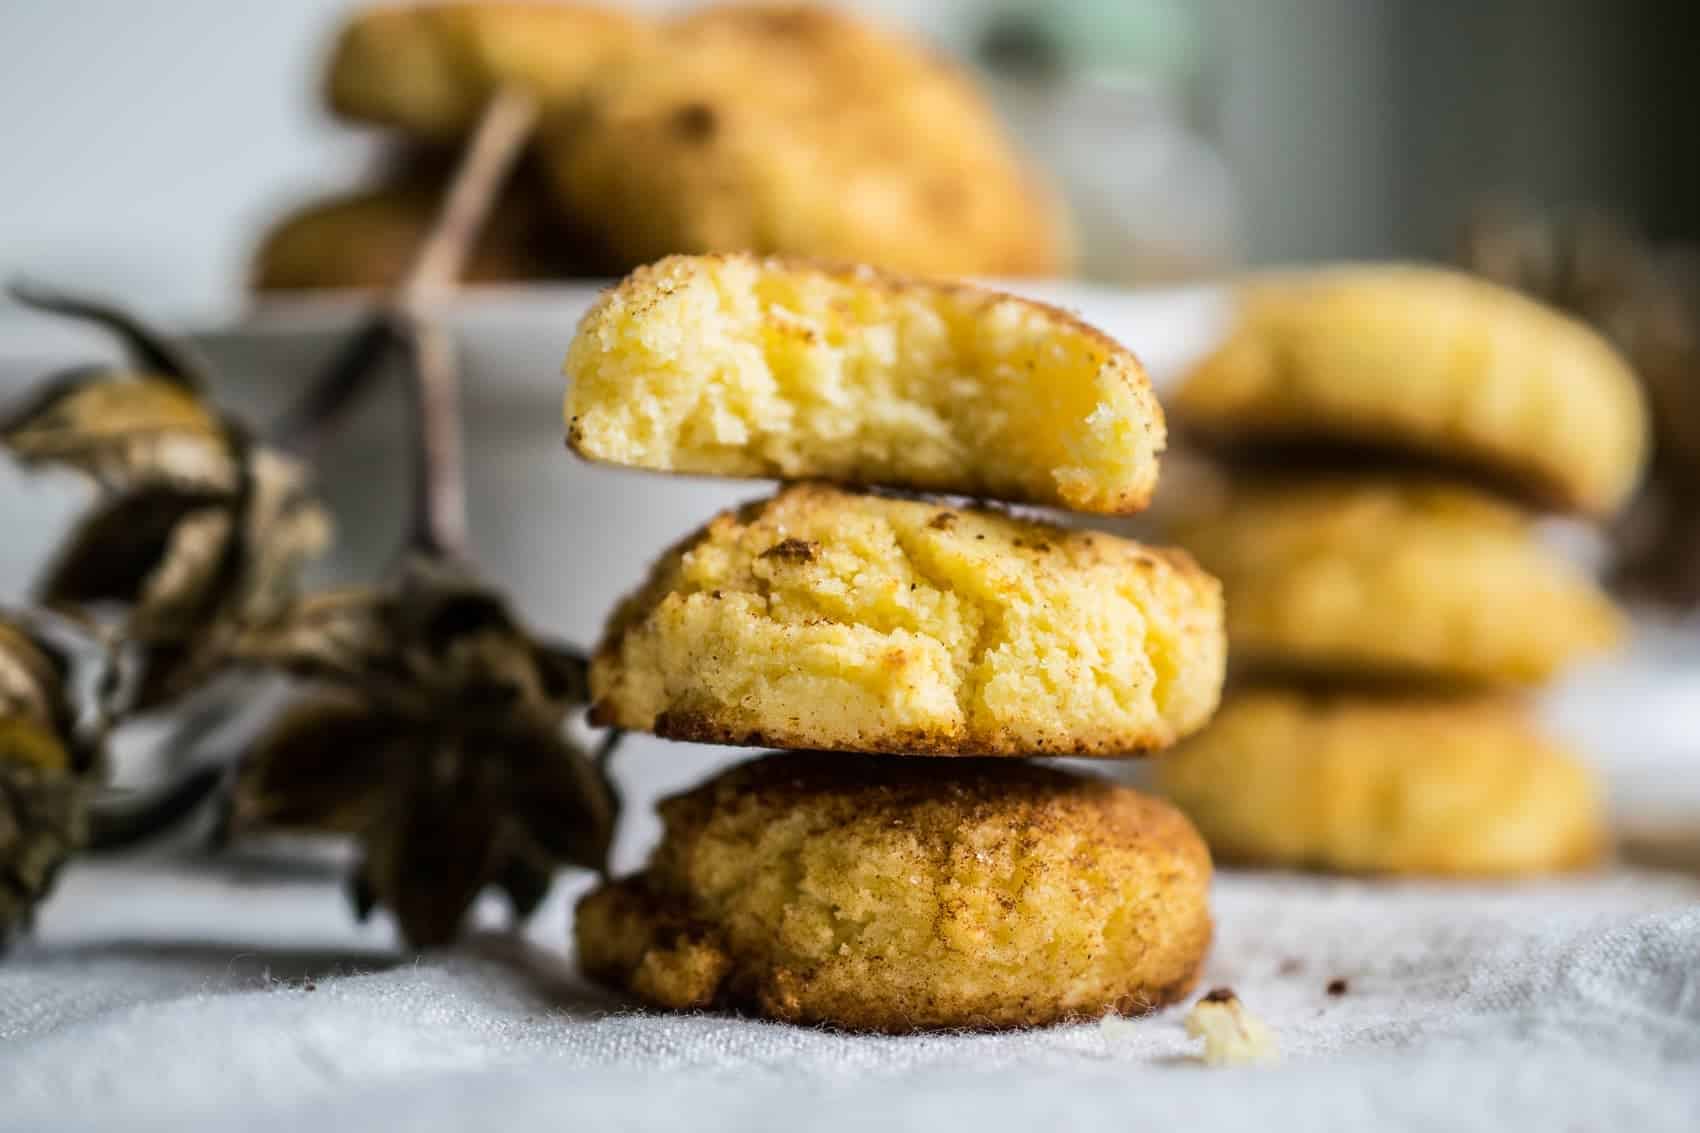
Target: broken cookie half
x,y
738,365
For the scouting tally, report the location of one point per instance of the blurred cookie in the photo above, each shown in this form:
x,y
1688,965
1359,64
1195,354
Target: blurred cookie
x,y
367,239
802,130
1431,363
743,366
1365,784
839,621
1394,578
429,68
881,894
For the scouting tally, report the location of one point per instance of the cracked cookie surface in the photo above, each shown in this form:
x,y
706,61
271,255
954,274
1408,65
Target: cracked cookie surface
x,y
835,620
897,895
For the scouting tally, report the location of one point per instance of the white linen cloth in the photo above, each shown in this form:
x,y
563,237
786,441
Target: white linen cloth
x,y
181,996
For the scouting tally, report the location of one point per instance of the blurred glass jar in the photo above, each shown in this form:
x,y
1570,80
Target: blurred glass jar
x,y
1099,93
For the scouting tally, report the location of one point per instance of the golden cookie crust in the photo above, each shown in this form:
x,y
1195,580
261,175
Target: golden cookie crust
x,y
429,68
897,895
1430,363
368,238
801,130
1390,578
1361,783
739,365
835,620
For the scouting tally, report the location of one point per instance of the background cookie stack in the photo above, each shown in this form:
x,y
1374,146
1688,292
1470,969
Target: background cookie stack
x,y
423,73
775,128
1390,600
854,882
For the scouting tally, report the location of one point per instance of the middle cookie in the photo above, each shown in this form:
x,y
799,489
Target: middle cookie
x,y
831,619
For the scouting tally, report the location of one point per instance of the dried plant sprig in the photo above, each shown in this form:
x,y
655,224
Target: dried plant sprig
x,y
148,350
439,524
195,527
437,738
433,728
124,430
484,170
48,767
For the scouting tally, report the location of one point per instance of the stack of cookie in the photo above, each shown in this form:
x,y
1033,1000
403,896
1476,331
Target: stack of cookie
x,y
850,880
1385,433
777,128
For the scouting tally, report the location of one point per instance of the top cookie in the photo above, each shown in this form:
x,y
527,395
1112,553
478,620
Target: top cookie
x,y
799,130
1431,363
428,69
743,366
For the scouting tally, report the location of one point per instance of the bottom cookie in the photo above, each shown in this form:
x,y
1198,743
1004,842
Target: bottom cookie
x,y
1364,783
895,894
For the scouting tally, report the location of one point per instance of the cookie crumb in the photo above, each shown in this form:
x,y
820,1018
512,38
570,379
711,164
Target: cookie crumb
x,y
1117,1028
1338,987
1232,1035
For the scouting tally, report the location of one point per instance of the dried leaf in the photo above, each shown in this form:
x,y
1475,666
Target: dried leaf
x,y
118,545
479,785
148,350
43,817
488,807
32,679
189,566
526,875
434,634
467,787
239,561
334,635
181,593
162,672
285,529
29,742
563,672
429,861
321,766
124,431
44,786
198,530
559,797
